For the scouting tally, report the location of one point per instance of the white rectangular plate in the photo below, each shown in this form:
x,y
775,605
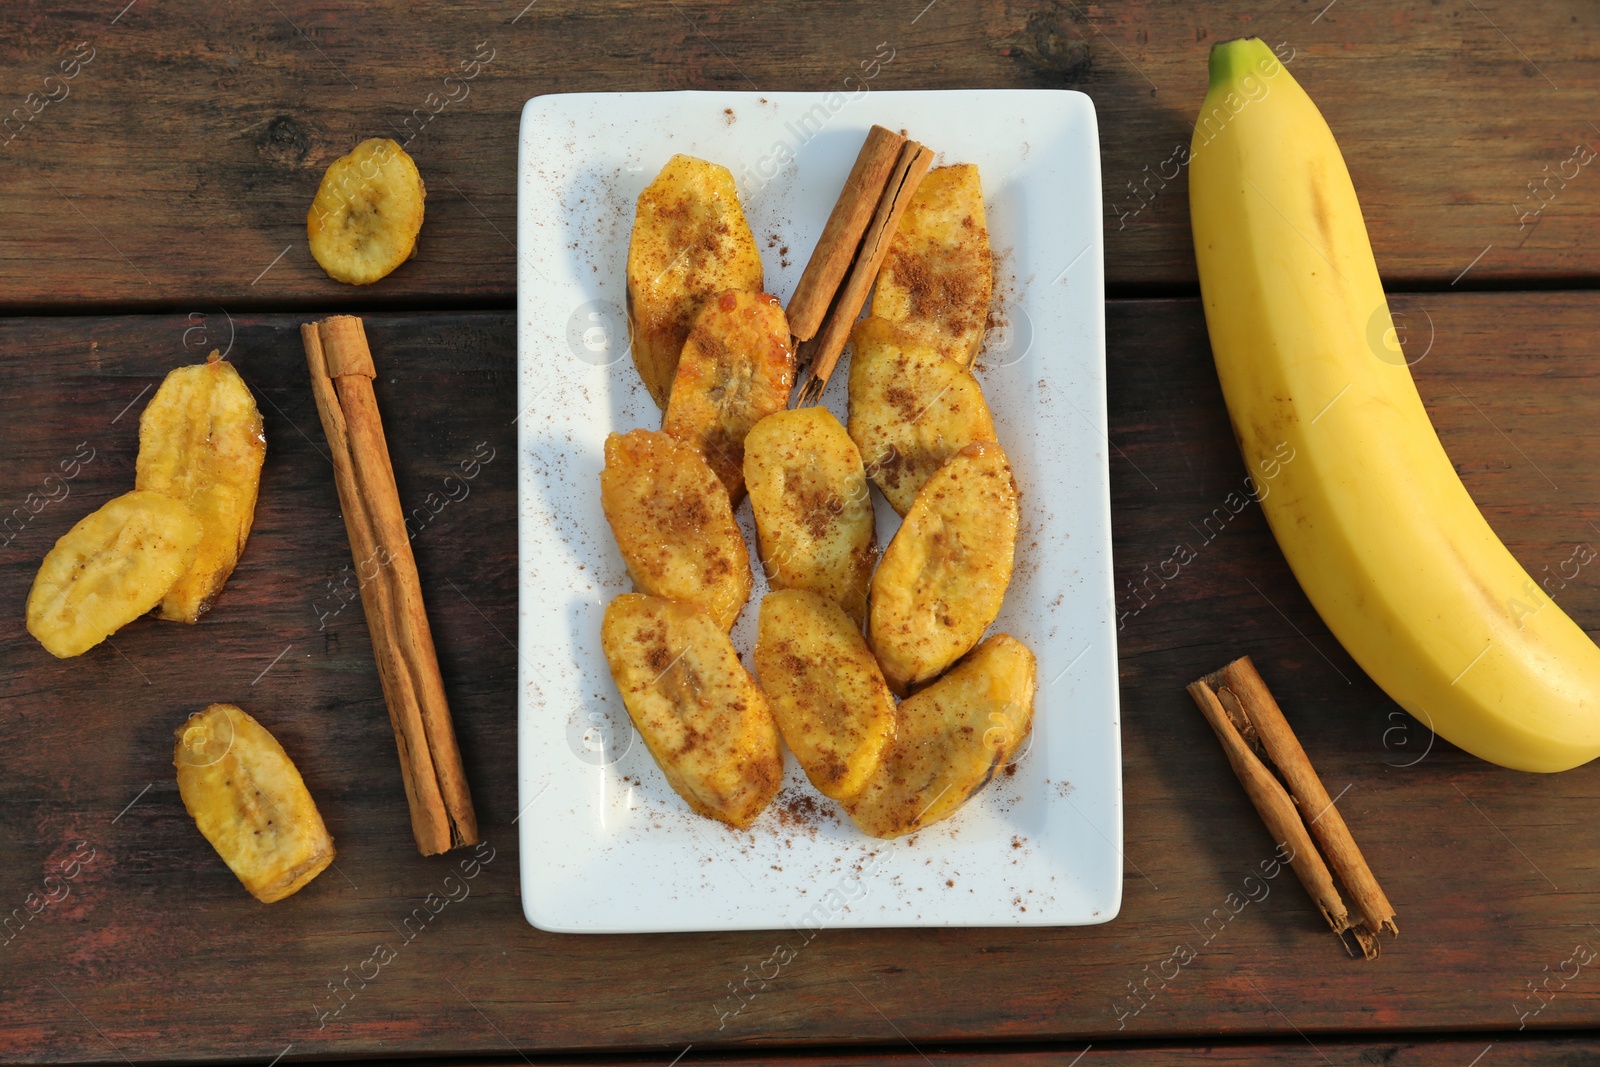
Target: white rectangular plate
x,y
607,846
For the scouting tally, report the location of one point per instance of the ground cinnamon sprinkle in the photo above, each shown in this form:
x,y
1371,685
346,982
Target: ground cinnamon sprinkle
x,y
911,272
820,510
799,811
934,292
904,400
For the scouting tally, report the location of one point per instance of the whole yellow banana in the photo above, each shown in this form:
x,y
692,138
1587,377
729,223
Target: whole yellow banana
x,y
1365,504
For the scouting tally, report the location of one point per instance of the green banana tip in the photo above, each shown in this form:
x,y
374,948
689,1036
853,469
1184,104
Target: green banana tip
x,y
1232,60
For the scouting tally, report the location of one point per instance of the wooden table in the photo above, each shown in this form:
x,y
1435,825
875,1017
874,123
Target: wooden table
x,y
157,210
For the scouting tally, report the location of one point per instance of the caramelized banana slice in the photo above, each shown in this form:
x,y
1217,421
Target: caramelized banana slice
x,y
824,688
950,739
112,567
201,441
911,409
736,368
938,277
690,241
367,213
813,512
249,801
945,573
698,709
673,523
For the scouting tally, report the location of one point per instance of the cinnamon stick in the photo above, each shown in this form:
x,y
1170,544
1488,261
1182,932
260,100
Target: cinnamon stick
x,y
435,782
825,348
1276,809
841,235
1239,685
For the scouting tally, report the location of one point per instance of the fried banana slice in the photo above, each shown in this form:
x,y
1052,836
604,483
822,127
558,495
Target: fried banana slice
x,y
824,688
249,801
112,567
699,711
944,575
690,241
911,409
813,512
938,277
201,442
950,740
673,523
736,368
365,218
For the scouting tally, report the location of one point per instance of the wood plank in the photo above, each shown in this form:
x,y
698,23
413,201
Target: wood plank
x,y
176,171
1413,1052
156,952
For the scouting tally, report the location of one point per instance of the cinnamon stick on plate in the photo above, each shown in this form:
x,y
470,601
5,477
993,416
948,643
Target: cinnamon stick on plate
x,y
842,233
391,593
821,352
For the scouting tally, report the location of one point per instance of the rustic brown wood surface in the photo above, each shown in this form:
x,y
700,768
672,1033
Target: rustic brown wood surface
x,y
155,951
160,157
1459,122
1417,1052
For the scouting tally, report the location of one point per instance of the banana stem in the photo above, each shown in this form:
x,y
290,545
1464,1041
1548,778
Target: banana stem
x,y
1233,60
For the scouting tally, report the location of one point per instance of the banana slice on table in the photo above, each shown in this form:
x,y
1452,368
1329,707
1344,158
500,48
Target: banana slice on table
x,y
109,569
367,212
248,799
950,740
201,441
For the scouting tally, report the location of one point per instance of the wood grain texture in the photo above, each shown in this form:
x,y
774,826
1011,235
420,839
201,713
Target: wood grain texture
x,y
176,171
157,952
1296,1052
